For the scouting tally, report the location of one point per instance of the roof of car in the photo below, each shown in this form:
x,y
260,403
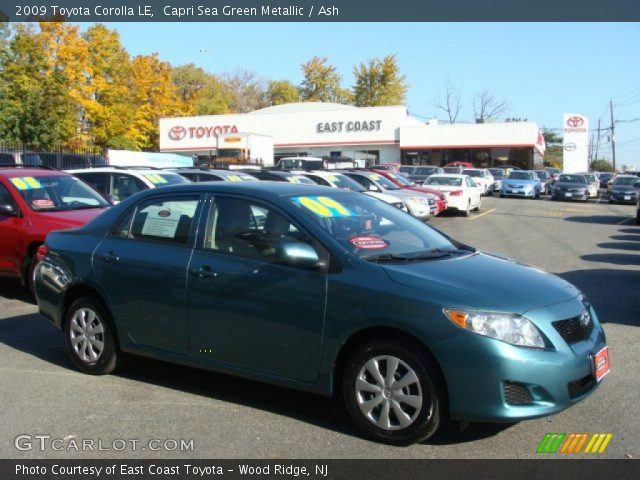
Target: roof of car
x,y
265,189
30,172
121,170
448,175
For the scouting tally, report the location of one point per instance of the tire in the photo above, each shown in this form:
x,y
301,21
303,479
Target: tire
x,y
423,415
78,322
477,209
31,270
638,217
467,212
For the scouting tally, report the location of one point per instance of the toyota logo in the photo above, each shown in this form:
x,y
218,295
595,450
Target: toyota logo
x,y
575,121
585,320
570,147
177,133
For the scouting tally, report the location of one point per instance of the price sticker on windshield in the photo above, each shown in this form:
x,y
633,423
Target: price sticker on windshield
x,y
234,178
369,243
323,206
156,179
26,183
374,177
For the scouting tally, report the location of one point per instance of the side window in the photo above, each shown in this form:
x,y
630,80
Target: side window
x,y
361,180
241,227
191,176
163,220
5,196
125,185
98,181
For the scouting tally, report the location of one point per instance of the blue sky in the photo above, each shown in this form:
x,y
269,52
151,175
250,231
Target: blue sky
x,y
542,69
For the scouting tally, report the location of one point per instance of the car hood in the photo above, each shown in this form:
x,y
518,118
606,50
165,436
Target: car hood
x,y
623,188
69,218
513,181
383,196
483,281
570,185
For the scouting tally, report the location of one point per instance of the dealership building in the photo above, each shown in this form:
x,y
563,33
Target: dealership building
x,y
371,134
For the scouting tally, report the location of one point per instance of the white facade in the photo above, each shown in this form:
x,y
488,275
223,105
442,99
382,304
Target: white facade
x,y
322,129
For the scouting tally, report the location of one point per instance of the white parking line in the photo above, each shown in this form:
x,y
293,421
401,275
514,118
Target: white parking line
x,y
481,214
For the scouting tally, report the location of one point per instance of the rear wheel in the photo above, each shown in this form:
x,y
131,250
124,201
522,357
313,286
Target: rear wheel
x,y
392,393
467,212
90,337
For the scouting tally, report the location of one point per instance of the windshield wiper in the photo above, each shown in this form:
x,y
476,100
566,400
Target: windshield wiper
x,y
431,254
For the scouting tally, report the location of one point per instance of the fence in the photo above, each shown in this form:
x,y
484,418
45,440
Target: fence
x,y
62,158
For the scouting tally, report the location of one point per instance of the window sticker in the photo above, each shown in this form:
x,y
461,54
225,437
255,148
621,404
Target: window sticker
x,y
323,206
332,178
26,183
373,177
294,179
161,222
155,179
234,178
368,243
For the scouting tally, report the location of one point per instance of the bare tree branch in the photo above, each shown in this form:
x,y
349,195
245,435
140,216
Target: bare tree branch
x,y
449,101
486,105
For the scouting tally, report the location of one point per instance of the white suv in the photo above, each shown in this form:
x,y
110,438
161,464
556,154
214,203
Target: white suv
x,y
118,183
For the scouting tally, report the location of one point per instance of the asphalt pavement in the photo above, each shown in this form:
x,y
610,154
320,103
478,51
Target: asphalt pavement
x,y
596,246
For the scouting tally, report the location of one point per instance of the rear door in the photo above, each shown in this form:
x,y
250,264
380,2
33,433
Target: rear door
x,y
142,267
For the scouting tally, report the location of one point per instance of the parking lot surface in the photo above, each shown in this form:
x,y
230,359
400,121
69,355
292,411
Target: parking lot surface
x,y
596,246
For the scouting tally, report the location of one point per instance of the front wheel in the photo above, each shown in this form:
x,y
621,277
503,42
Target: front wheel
x,y
392,393
90,337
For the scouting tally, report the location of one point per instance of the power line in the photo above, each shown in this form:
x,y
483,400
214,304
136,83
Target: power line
x,y
637,89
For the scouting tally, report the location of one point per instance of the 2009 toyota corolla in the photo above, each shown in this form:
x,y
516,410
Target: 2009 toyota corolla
x,y
328,291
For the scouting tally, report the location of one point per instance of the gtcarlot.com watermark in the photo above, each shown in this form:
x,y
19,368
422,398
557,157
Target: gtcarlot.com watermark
x,y
42,443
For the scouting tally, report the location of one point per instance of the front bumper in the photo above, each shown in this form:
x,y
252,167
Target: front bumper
x,y
517,192
480,371
562,195
623,197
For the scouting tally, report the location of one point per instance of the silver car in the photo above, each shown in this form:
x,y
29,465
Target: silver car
x,y
593,184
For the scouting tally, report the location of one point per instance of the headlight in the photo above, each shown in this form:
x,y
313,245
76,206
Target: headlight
x,y
513,329
419,200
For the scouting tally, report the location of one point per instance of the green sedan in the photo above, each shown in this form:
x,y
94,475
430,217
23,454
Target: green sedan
x,y
322,290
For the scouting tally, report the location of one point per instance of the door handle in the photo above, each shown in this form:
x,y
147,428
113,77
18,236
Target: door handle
x,y
203,272
108,257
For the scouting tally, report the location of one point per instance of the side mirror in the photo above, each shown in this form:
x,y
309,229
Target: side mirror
x,y
8,210
297,255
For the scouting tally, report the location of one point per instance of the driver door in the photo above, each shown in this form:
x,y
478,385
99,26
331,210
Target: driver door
x,y
246,309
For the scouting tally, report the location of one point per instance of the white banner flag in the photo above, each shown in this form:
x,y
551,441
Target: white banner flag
x,y
575,144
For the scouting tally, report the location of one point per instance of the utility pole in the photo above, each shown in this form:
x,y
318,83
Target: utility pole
x,y
595,157
613,136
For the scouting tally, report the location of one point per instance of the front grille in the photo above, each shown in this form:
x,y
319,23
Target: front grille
x,y
580,387
572,330
517,394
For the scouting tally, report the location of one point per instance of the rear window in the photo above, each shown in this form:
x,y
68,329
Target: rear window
x,y
572,178
446,181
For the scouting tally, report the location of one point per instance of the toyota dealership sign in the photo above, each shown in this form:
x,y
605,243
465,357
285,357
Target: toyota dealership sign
x,y
575,144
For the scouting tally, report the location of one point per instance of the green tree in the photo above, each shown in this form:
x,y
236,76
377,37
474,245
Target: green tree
x,y
34,107
378,82
321,83
551,137
601,165
280,92
200,92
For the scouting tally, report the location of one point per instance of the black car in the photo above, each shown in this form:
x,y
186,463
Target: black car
x,y
422,172
570,187
624,189
604,178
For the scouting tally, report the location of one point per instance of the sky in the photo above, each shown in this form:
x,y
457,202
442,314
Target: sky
x,y
542,69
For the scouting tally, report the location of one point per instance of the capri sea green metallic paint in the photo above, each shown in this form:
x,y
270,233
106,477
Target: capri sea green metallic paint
x,y
291,326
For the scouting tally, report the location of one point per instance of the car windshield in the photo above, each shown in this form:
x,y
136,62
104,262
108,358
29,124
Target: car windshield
x,y
542,175
425,170
451,170
572,179
57,193
162,179
401,179
447,181
625,181
385,183
590,178
497,173
373,230
520,176
473,173
299,179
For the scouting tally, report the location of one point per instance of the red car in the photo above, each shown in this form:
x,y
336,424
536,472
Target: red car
x,y
33,202
402,182
460,164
